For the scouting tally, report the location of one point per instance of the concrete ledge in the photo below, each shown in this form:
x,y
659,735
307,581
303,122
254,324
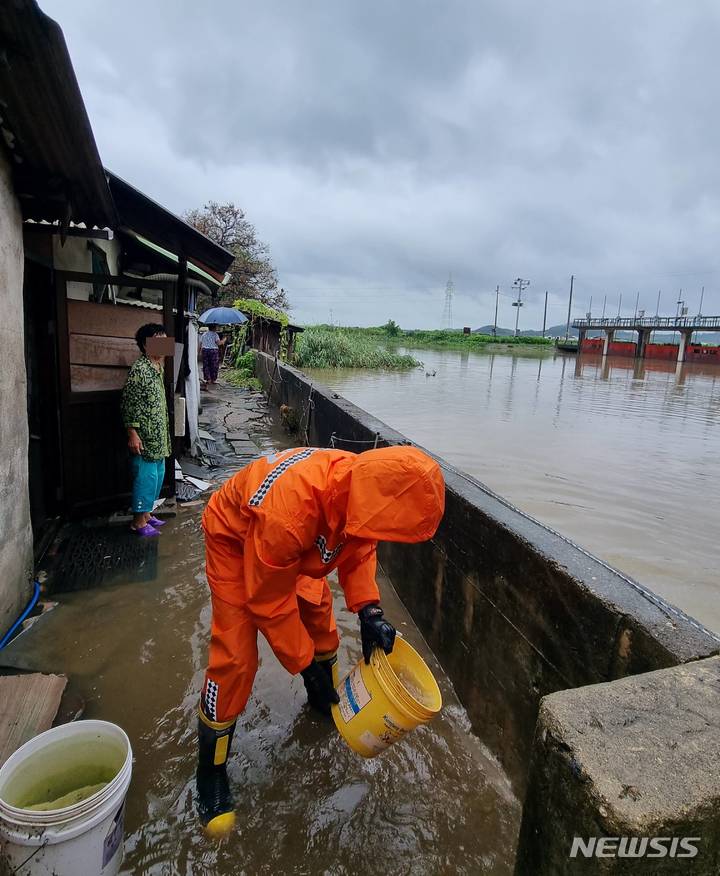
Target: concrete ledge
x,y
512,610
636,758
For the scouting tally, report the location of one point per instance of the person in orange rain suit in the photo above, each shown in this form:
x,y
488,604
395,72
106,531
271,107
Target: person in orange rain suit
x,y
272,533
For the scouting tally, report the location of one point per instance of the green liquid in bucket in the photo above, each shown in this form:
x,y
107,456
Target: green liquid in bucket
x,y
66,787
70,799
73,767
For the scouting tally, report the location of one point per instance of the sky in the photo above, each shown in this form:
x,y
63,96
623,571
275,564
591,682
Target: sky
x,y
380,147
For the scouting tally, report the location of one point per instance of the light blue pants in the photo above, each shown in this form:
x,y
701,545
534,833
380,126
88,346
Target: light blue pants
x,y
148,477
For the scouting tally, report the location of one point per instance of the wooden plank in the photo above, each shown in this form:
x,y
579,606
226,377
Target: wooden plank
x,y
89,378
108,320
28,705
94,350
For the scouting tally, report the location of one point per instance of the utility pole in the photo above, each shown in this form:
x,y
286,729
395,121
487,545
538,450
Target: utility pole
x,y
520,285
567,328
331,318
497,296
545,314
702,295
680,303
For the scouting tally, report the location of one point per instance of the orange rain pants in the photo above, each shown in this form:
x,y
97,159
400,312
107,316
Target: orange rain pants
x,y
233,657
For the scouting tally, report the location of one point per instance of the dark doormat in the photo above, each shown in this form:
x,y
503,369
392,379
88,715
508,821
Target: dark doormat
x,y
85,557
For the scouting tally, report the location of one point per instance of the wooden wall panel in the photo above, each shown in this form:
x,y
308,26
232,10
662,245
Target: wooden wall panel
x,y
94,350
88,378
102,343
108,320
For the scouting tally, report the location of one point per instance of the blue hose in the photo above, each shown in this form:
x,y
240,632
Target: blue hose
x,y
30,606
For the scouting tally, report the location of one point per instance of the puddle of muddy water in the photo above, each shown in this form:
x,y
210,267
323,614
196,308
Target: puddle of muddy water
x,y
306,804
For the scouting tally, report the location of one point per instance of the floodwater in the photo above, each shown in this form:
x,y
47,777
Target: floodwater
x,y
135,649
622,456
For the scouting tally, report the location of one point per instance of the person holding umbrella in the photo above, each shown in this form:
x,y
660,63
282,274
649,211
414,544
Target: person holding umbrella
x,y
210,344
210,341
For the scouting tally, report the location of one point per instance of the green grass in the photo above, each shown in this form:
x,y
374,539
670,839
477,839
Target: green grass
x,y
325,347
243,375
433,338
241,378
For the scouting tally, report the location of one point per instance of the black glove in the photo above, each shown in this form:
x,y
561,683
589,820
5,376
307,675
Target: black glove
x,y
375,630
320,691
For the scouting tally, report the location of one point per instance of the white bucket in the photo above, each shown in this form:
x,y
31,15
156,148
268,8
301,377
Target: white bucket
x,y
84,838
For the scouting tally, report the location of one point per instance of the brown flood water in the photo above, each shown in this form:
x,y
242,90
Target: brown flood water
x,y
135,649
622,456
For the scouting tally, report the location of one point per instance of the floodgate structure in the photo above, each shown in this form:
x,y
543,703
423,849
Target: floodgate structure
x,y
599,698
644,348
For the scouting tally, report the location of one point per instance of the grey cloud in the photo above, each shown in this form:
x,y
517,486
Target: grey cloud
x,y
379,145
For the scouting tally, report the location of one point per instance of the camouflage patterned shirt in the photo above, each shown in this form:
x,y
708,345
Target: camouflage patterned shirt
x,y
144,408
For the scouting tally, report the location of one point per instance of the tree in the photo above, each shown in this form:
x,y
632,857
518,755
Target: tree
x,y
252,272
391,328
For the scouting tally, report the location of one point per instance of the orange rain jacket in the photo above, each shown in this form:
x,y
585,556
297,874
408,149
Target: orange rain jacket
x,y
291,518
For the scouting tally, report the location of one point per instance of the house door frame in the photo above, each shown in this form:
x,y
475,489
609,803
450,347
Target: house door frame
x,y
78,406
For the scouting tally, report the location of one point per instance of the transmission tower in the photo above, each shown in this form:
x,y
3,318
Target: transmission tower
x,y
447,317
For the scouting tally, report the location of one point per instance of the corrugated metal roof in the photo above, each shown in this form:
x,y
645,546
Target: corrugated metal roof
x,y
147,305
149,219
133,302
171,256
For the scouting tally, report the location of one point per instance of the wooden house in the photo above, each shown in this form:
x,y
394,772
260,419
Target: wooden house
x,y
85,260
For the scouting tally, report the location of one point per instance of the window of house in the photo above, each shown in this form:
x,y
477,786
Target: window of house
x,y
98,256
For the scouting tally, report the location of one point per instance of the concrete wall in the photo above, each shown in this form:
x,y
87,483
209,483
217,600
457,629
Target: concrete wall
x,y
513,610
638,758
15,531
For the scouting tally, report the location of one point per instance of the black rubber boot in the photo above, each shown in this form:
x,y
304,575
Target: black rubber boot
x,y
216,807
328,663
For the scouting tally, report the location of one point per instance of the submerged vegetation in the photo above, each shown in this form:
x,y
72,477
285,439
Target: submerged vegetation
x,y
328,347
449,338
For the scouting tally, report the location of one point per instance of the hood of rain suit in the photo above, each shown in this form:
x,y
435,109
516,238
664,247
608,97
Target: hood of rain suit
x,y
394,494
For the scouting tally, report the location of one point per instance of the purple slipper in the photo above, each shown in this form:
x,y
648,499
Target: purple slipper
x,y
156,522
145,531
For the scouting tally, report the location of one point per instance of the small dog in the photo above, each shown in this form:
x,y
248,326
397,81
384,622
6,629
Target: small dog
x,y
288,418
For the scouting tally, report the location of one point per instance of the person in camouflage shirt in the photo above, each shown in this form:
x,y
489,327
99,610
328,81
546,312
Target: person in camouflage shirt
x,y
145,416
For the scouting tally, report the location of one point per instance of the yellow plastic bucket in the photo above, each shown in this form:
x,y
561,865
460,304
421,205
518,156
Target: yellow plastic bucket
x,y
382,701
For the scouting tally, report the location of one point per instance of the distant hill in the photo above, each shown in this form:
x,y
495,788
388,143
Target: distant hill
x,y
488,330
553,331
